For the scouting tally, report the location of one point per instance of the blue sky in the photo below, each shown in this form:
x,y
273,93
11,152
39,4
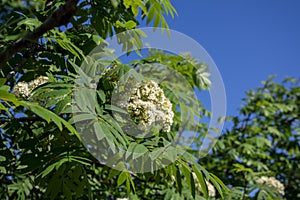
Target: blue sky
x,y
248,40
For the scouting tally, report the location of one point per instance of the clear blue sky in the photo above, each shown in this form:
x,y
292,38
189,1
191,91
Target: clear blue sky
x,y
248,40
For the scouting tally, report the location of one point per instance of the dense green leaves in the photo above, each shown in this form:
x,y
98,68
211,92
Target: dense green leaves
x,y
42,131
42,153
263,141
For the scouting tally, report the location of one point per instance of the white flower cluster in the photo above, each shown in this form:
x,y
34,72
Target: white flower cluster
x,y
148,105
272,183
210,187
122,199
23,89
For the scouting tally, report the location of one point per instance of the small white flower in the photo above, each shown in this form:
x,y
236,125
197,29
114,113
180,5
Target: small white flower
x,y
21,89
173,178
271,182
37,82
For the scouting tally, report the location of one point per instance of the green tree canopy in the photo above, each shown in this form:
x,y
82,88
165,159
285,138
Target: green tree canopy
x,y
263,141
52,89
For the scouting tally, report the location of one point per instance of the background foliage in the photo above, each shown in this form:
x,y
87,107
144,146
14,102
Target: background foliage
x,y
264,140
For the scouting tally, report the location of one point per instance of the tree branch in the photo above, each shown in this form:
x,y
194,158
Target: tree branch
x,y
59,17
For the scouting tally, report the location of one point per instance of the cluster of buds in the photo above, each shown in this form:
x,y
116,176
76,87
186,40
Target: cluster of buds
x,y
148,105
24,89
272,183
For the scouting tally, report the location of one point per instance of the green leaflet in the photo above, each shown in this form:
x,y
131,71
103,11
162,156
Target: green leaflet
x,y
44,113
